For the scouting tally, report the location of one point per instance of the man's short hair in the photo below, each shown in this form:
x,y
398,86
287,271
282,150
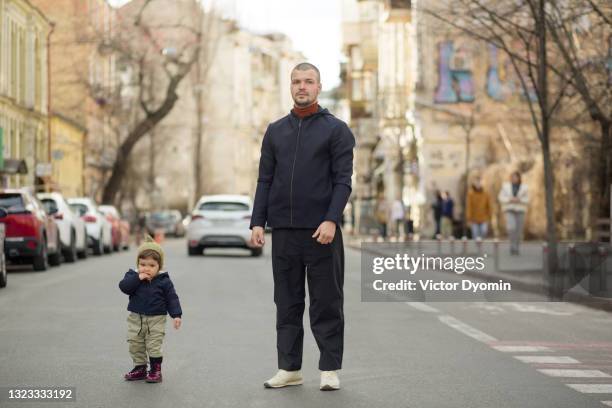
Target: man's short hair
x,y
305,66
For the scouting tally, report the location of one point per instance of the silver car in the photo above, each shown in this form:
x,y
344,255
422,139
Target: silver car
x,y
220,221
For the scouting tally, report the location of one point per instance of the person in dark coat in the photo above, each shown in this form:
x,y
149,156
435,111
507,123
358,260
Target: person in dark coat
x,y
303,186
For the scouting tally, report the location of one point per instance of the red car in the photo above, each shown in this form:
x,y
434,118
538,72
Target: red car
x,y
120,228
32,236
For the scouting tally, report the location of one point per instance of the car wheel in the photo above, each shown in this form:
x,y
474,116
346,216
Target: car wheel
x,y
256,251
82,254
41,261
71,254
98,246
56,258
3,275
194,251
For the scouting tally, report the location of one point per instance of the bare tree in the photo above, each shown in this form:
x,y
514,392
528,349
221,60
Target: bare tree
x,y
506,25
582,33
139,44
208,24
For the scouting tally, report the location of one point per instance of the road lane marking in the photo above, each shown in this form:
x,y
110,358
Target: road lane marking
x,y
573,373
547,359
607,403
592,388
423,307
528,308
522,349
466,329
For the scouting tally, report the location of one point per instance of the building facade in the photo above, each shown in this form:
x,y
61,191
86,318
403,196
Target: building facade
x,y
24,33
83,82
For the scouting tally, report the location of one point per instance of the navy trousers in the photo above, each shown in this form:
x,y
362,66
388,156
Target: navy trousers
x,y
297,257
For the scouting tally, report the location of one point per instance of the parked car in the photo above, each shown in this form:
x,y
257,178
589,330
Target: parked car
x,y
72,230
32,236
99,229
179,228
169,221
220,221
3,274
120,228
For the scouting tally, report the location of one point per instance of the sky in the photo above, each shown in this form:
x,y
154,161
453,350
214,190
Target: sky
x,y
314,27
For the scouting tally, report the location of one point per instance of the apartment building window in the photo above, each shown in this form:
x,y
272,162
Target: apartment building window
x,y
37,75
13,60
22,66
400,4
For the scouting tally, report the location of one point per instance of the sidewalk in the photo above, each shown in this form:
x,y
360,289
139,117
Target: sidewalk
x,y
526,271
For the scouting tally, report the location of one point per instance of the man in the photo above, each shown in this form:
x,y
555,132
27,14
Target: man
x,y
303,186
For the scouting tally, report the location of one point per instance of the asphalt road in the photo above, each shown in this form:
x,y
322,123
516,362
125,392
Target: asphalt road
x,y
67,327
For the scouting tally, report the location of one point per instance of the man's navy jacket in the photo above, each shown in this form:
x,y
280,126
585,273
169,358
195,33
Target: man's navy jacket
x,y
304,172
156,297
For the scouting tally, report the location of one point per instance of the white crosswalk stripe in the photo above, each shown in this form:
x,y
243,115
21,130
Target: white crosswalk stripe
x,y
547,359
573,373
592,388
522,349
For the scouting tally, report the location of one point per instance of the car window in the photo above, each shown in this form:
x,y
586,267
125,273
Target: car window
x,y
49,205
79,209
223,206
160,216
12,202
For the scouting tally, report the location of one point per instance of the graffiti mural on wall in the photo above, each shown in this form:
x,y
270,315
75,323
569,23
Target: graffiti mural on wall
x,y
502,81
499,87
455,80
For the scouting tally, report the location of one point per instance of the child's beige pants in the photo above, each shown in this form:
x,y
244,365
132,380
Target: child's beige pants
x,y
145,336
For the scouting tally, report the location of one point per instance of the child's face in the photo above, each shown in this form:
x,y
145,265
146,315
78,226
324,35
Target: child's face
x,y
148,266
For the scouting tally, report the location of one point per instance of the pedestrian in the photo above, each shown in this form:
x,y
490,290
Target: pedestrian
x,y
448,218
397,216
303,186
436,208
514,198
408,225
381,213
142,226
478,210
152,296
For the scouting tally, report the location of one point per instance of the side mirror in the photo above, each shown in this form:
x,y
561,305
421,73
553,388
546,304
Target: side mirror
x,y
3,212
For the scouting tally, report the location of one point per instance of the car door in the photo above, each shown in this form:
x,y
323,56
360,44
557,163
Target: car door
x,y
50,226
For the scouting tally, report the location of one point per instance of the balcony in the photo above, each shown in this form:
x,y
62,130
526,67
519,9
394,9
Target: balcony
x,y
398,11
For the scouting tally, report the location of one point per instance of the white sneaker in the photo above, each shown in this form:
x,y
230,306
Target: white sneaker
x,y
329,381
284,378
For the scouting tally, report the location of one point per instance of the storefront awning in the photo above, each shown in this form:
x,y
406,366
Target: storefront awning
x,y
14,166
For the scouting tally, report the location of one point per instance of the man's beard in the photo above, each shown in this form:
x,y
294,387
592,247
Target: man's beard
x,y
304,104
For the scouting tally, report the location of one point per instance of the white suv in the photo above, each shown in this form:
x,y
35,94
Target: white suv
x,y
99,233
72,232
220,221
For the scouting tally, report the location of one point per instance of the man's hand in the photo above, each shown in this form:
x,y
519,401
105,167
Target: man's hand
x,y
257,237
325,233
177,322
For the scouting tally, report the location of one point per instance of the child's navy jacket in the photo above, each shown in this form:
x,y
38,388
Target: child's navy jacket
x,y
151,298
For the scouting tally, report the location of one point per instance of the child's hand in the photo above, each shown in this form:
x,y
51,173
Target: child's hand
x,y
177,323
143,276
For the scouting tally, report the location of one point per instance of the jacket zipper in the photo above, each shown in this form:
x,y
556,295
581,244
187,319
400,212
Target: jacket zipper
x,y
297,143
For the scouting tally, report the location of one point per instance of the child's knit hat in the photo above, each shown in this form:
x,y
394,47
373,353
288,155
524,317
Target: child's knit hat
x,y
149,243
